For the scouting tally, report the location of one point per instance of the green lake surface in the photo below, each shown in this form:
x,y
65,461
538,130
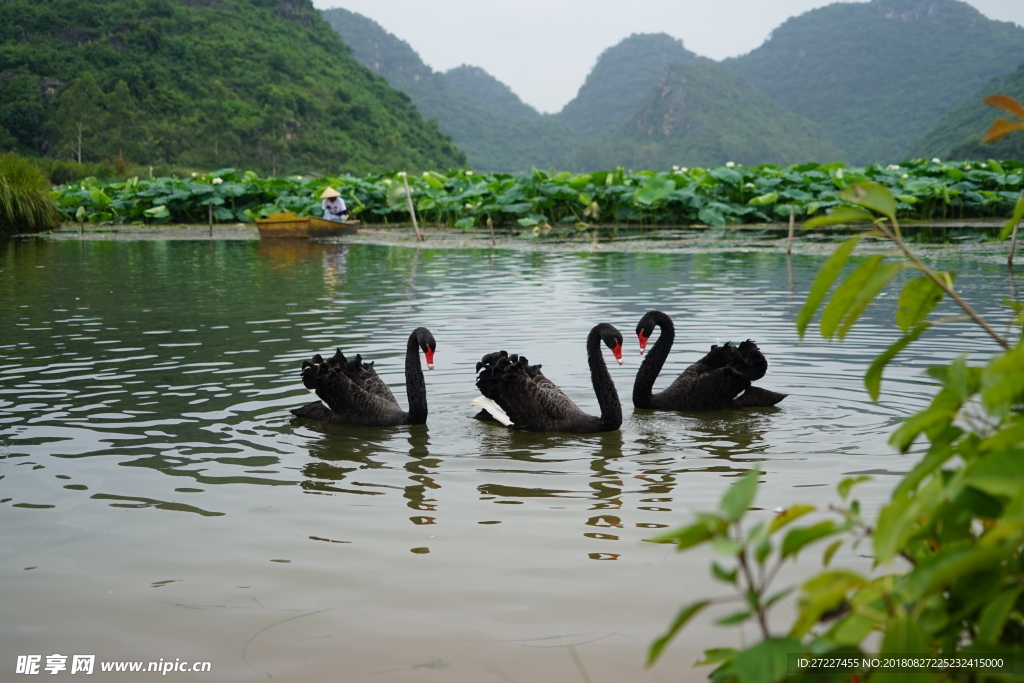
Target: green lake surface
x,y
160,502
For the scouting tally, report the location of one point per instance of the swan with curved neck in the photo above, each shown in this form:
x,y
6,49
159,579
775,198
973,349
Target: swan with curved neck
x,y
519,396
350,392
721,379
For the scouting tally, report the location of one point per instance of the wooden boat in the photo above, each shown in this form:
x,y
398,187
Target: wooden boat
x,y
290,226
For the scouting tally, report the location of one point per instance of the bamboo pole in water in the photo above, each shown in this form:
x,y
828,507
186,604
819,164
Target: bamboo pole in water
x,y
1013,238
412,210
792,224
490,226
209,212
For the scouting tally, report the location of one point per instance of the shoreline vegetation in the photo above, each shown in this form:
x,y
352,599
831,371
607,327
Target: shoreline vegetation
x,y
544,201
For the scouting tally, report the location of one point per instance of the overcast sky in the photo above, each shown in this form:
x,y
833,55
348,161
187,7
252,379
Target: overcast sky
x,y
544,49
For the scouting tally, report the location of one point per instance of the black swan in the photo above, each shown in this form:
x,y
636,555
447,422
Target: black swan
x,y
517,395
351,393
721,379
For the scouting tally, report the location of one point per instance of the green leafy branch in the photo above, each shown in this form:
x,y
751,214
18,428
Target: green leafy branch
x,y
872,203
756,558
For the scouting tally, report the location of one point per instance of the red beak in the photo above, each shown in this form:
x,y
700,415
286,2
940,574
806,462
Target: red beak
x,y
617,352
643,343
429,353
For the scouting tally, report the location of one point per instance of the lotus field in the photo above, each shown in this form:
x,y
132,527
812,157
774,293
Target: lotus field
x,y
682,196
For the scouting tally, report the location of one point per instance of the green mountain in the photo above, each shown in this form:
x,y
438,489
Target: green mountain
x,y
620,81
262,84
877,75
703,115
476,85
958,134
473,107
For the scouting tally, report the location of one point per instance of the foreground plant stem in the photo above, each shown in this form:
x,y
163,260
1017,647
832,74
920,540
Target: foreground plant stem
x,y
945,286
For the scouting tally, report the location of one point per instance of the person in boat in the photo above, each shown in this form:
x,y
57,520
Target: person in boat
x,y
333,205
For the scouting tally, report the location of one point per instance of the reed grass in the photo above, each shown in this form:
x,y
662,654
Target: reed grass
x,y
25,202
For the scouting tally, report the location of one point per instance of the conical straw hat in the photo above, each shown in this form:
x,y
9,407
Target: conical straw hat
x,y
329,192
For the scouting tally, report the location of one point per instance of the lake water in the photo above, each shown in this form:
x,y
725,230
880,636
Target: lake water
x,y
160,502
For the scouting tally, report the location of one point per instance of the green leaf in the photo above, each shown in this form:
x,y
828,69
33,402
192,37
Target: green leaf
x,y
739,496
902,635
800,537
765,199
157,212
995,166
766,662
844,487
1003,381
871,196
942,410
1017,217
788,515
684,615
894,526
654,190
823,593
830,552
841,214
919,297
734,618
995,614
518,207
946,567
873,377
998,474
854,295
726,546
907,198
722,575
717,655
823,282
778,596
685,537
764,548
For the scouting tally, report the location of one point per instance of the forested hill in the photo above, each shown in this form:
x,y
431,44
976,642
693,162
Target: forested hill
x,y
703,115
877,75
262,84
473,108
476,85
958,135
621,80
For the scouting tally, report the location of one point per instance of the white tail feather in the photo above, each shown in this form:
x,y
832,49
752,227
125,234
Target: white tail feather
x,y
493,408
319,399
739,394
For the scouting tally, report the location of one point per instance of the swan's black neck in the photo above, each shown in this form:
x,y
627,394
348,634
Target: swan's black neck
x,y
604,388
643,387
415,385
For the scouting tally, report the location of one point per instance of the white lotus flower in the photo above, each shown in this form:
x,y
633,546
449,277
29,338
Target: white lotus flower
x,y
894,167
967,167
730,164
905,176
218,181
469,173
683,169
839,173
936,160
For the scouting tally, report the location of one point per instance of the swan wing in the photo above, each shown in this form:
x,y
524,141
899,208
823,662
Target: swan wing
x,y
365,376
521,390
745,358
